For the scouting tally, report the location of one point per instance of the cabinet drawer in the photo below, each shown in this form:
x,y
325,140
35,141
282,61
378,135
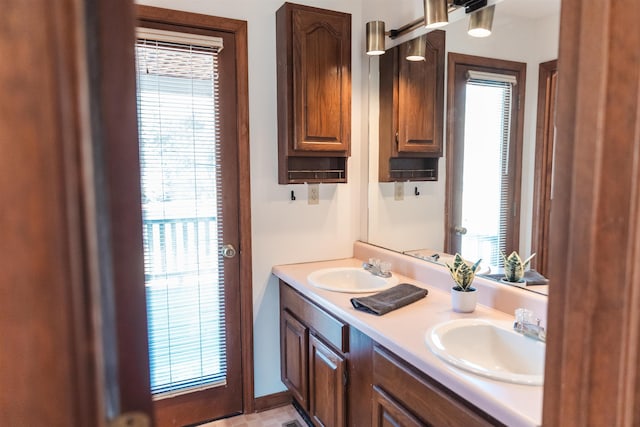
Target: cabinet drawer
x,y
332,330
423,397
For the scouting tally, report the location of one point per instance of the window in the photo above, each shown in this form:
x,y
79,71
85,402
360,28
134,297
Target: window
x,y
182,221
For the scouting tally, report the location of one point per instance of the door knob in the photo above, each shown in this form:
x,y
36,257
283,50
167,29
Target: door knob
x,y
460,230
228,251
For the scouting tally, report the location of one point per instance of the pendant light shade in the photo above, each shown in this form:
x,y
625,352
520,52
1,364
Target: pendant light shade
x,y
435,13
416,49
375,38
481,21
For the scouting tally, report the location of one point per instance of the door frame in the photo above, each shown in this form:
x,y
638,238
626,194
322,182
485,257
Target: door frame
x,y
453,151
545,136
591,374
158,17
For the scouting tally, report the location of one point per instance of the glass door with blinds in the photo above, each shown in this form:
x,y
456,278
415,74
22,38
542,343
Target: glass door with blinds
x,y
190,217
485,207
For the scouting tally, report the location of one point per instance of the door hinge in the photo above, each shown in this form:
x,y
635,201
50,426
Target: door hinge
x,y
345,378
131,419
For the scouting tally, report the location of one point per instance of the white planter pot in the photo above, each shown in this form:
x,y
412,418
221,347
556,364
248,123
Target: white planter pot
x,y
464,302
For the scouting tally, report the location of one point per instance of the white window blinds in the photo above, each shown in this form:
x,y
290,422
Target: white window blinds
x,y
487,176
177,98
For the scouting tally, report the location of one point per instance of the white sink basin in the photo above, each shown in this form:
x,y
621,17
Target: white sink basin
x,y
349,279
490,349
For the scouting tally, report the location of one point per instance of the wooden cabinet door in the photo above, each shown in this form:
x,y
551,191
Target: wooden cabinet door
x,y
389,413
327,385
294,357
321,80
421,98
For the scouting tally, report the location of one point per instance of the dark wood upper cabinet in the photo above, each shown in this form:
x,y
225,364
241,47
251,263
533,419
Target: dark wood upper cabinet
x,y
314,94
411,112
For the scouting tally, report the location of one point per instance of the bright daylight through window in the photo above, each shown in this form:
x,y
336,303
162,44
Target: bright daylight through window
x,y
486,175
178,132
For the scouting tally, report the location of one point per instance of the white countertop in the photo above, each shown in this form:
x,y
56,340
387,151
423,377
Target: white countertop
x,y
403,332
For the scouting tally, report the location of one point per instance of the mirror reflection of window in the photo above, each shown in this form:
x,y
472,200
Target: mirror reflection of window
x,y
485,180
484,156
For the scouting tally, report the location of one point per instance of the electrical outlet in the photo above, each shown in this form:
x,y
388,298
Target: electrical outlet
x,y
314,194
398,190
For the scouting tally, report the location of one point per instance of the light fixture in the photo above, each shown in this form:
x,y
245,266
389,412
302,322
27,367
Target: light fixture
x,y
375,38
481,21
435,13
416,49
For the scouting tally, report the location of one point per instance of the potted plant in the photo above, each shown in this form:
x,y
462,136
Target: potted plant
x,y
463,296
514,268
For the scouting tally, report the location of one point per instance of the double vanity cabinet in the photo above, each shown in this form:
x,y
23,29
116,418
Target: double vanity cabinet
x,y
340,376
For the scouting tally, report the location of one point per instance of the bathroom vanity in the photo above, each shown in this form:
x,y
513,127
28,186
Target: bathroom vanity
x,y
347,367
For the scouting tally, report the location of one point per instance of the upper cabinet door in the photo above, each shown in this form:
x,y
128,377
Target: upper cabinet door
x,y
421,99
314,79
321,80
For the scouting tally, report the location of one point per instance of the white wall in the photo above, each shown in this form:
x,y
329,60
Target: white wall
x,y
284,231
418,222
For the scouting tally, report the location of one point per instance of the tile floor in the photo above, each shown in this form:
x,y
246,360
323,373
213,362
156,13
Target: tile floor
x,y
272,418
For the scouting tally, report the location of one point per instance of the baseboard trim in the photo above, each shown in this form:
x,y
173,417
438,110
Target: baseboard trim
x,y
270,401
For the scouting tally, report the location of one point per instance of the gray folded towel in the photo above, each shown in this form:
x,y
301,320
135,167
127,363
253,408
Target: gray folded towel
x,y
532,277
390,299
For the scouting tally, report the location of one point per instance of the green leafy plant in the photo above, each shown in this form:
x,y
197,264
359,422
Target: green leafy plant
x,y
514,266
463,273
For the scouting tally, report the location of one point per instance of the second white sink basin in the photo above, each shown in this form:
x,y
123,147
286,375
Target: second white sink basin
x,y
490,349
349,279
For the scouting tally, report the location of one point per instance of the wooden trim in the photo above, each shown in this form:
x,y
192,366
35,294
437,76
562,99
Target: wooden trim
x,y
593,341
271,401
191,20
545,132
455,162
198,23
246,279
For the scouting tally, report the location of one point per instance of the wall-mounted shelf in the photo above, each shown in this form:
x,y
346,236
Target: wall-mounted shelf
x,y
316,169
413,169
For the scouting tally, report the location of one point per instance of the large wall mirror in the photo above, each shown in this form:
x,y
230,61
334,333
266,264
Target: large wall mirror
x,y
410,216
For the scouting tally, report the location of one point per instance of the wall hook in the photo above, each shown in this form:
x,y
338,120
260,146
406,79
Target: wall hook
x,y
293,195
416,192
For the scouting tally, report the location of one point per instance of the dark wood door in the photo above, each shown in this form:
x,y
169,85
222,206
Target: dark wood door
x,y
294,350
327,385
321,80
420,101
389,413
208,377
72,312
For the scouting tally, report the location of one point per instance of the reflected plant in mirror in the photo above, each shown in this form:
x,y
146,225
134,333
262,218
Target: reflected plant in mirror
x,y
514,266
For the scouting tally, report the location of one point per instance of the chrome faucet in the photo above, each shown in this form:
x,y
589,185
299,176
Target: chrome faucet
x,y
377,268
525,325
